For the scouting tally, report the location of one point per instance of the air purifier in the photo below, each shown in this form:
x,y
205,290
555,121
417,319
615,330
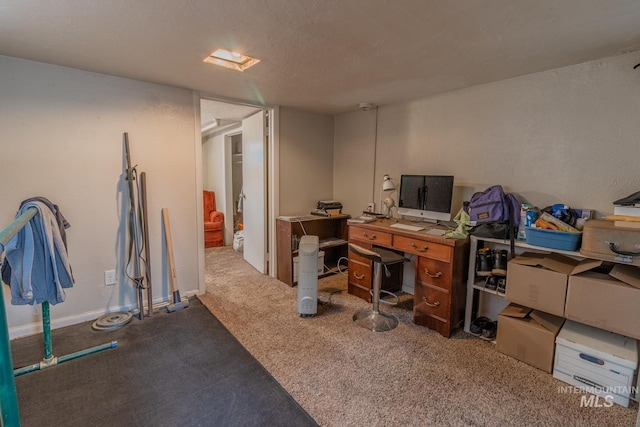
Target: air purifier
x,y
296,265
308,276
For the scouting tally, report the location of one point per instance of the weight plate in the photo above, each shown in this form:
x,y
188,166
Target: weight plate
x,y
111,321
100,328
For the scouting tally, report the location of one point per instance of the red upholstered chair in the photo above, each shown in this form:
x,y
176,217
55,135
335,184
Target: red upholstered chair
x,y
213,222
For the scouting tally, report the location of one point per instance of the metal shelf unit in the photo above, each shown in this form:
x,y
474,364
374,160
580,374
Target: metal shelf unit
x,y
493,300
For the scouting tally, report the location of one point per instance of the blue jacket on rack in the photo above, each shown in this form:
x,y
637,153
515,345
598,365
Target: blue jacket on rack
x,y
38,258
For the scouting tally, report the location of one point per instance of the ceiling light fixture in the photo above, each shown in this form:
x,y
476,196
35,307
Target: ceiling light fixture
x,y
233,60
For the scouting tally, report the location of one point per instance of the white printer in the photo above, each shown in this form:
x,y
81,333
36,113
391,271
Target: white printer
x,y
597,361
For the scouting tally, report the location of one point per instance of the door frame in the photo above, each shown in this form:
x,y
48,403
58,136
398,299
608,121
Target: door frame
x,y
273,178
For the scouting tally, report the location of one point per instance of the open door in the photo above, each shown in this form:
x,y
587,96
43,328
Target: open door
x,y
254,181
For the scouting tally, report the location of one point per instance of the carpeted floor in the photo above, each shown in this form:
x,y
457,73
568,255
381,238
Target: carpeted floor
x,y
173,369
344,375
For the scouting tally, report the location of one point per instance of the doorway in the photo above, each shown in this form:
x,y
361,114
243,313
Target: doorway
x,y
236,182
225,127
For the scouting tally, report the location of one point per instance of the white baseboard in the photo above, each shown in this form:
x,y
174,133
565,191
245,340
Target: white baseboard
x,y
36,327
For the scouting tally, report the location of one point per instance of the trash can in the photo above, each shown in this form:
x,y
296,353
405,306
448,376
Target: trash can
x,y
238,240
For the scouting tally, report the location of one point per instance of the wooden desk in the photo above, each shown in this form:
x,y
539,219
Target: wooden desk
x,y
441,271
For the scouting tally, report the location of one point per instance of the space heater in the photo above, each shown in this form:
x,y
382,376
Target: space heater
x,y
308,276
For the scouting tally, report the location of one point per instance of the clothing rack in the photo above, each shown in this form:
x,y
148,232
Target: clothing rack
x,y
8,394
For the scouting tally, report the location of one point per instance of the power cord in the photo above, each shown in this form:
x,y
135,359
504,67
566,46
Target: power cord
x,y
302,226
331,294
345,271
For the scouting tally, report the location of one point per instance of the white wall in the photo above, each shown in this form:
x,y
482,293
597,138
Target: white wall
x,y
569,135
306,160
353,162
61,138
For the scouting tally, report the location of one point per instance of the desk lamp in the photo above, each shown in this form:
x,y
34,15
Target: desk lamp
x,y
387,186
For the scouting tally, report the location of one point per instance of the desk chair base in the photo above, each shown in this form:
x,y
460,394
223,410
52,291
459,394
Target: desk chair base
x,y
375,320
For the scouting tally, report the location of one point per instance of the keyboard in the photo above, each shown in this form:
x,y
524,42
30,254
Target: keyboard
x,y
406,227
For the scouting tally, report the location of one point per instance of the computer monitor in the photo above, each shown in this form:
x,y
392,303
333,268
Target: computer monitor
x,y
427,197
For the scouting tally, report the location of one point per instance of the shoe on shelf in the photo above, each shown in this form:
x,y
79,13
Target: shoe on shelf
x,y
489,331
502,285
478,325
484,262
499,262
491,283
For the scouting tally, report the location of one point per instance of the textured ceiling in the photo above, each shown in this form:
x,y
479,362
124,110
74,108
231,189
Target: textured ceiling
x,y
325,56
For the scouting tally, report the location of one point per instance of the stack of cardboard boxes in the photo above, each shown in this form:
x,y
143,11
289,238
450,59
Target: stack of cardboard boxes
x,y
545,289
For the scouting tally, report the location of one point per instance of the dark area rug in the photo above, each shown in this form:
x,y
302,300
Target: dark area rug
x,y
172,369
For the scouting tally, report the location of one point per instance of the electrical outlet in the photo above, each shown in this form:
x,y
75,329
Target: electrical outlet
x,y
109,277
371,207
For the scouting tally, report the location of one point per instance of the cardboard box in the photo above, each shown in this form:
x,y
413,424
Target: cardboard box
x,y
627,274
606,302
539,280
528,335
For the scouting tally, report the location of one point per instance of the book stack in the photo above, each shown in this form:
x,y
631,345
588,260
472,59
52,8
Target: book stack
x,y
626,216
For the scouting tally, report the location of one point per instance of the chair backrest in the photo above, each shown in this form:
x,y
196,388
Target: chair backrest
x,y
365,253
209,202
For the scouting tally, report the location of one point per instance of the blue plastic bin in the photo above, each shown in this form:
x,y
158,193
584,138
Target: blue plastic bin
x,y
554,239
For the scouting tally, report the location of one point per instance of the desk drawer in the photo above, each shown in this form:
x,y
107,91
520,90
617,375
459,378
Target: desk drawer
x,y
355,257
431,309
360,274
370,236
423,248
432,300
435,272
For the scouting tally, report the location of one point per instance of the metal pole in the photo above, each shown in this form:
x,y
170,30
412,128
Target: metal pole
x,y
147,250
58,360
87,351
46,331
133,229
15,226
377,283
8,394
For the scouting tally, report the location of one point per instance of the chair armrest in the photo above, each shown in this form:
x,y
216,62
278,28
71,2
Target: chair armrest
x,y
216,216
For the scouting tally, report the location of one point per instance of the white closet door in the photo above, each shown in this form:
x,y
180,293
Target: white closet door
x,y
254,181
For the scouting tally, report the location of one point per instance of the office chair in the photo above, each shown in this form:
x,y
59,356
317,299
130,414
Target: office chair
x,y
372,318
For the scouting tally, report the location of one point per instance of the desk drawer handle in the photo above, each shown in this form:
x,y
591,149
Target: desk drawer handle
x,y
435,304
373,236
433,276
358,277
424,249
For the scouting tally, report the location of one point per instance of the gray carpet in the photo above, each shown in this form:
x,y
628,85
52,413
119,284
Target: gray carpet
x,y
344,375
173,369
